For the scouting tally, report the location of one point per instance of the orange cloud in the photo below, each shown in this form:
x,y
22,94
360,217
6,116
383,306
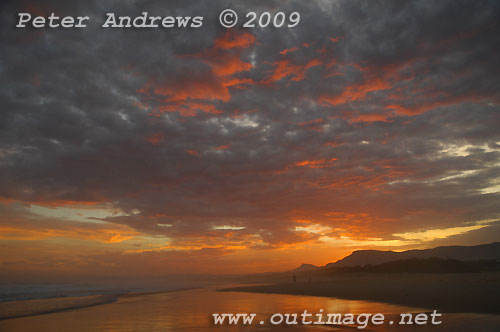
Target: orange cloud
x,y
192,88
155,138
222,147
56,203
232,39
356,92
285,68
288,50
375,79
428,104
336,39
193,153
92,232
373,117
225,56
188,95
189,108
320,163
311,122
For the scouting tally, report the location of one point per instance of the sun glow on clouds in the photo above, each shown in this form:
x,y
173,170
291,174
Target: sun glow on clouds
x,y
493,188
465,149
313,228
84,214
236,144
403,239
73,221
316,163
227,227
433,234
364,243
104,234
243,121
454,175
325,237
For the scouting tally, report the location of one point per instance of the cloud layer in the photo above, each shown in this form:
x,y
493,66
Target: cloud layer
x,y
368,119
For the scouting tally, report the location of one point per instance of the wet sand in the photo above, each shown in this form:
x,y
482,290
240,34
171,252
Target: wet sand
x,y
452,293
191,310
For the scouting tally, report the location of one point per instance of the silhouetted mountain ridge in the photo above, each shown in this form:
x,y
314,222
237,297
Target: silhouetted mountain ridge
x,y
489,251
307,267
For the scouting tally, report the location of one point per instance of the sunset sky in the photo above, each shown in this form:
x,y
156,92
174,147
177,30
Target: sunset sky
x,y
372,124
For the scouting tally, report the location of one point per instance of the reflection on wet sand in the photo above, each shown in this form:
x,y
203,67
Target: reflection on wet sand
x,y
191,310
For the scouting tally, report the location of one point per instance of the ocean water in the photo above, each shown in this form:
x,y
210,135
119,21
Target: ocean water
x,y
42,291
191,310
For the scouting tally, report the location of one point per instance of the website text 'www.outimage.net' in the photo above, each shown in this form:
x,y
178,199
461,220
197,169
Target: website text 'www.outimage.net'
x,y
360,321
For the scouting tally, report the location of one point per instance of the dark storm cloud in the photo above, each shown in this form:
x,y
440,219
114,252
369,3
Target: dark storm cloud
x,y
386,108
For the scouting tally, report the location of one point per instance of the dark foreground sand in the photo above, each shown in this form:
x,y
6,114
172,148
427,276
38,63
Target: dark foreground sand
x,y
473,293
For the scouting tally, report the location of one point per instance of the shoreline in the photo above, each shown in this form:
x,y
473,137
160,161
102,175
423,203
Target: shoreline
x,y
45,306
449,293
